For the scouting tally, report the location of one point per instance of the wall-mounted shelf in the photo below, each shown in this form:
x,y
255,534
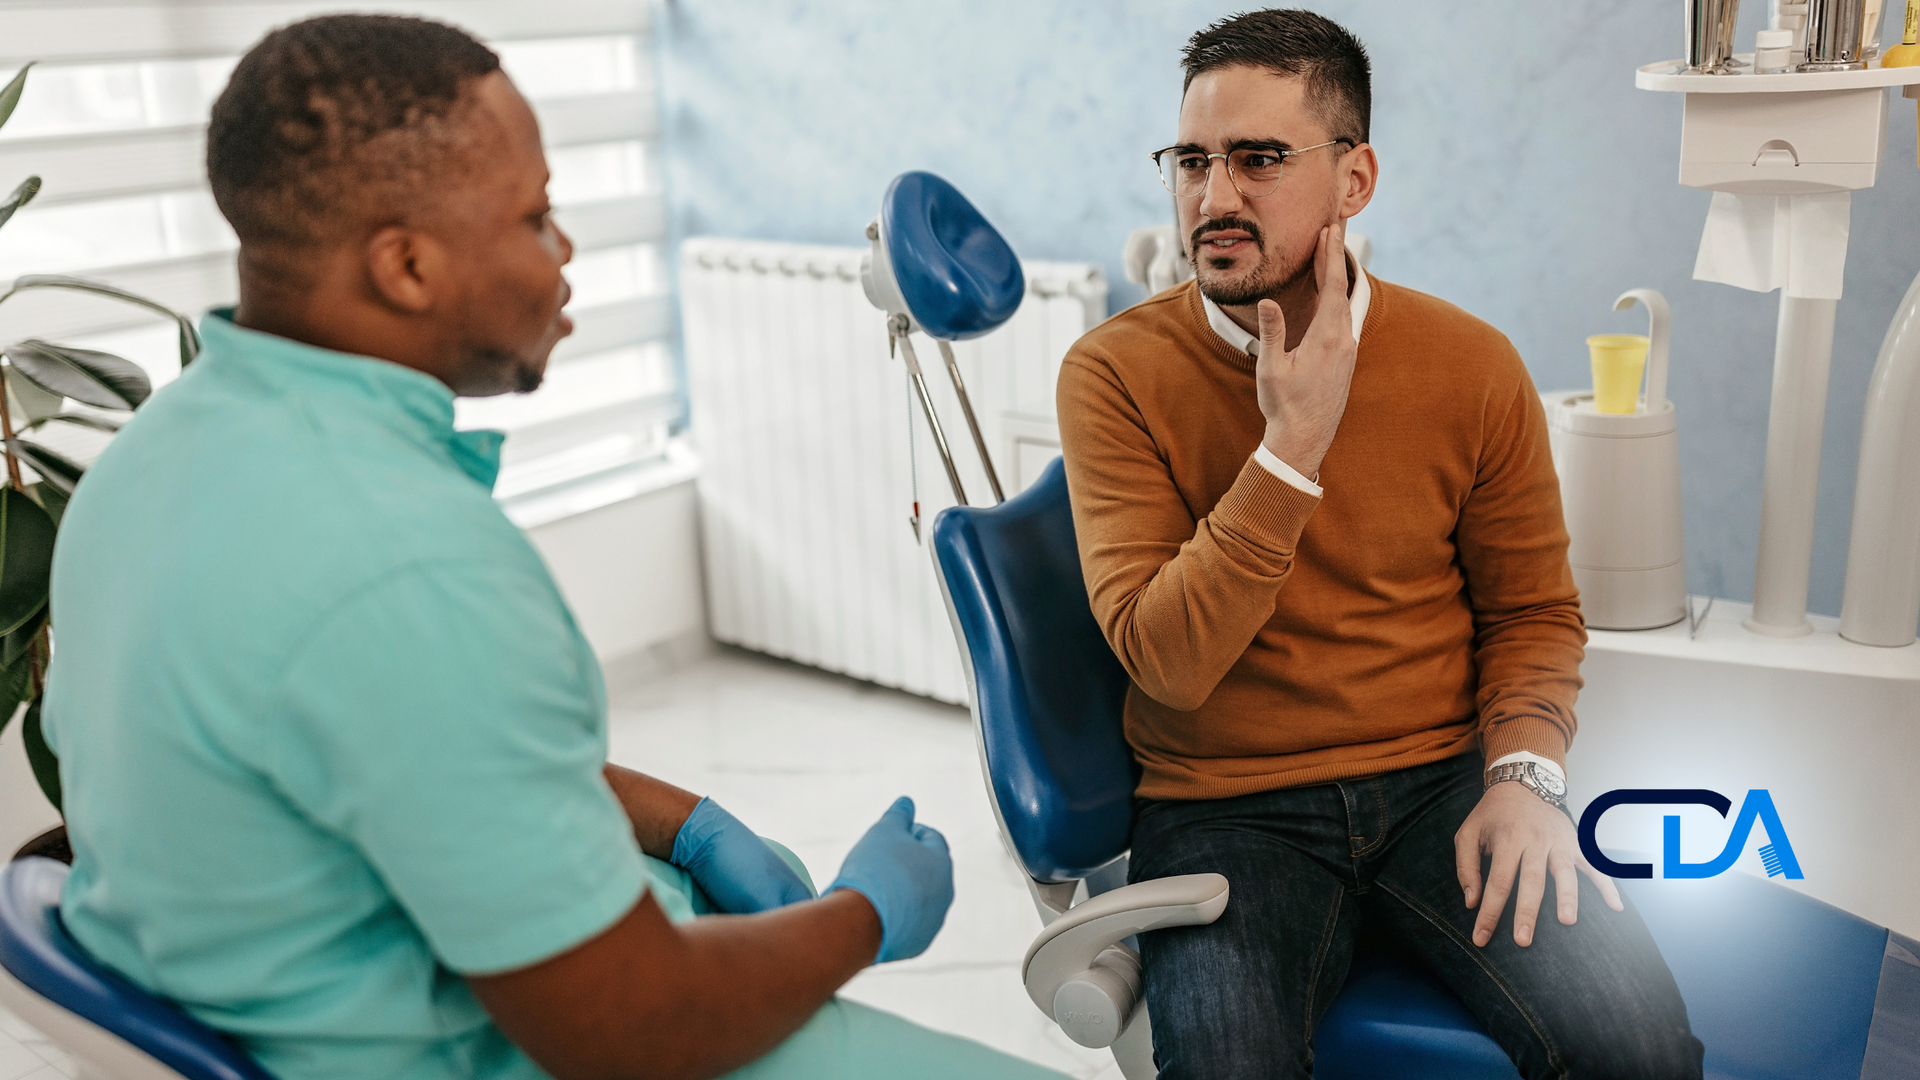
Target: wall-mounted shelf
x,y
1672,76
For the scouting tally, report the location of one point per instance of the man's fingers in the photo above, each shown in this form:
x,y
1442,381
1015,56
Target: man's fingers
x,y
1273,329
1526,901
1499,886
1466,863
1334,274
1608,890
1333,312
1566,888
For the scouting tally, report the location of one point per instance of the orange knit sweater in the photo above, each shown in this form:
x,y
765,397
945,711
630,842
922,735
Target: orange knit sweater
x,y
1421,607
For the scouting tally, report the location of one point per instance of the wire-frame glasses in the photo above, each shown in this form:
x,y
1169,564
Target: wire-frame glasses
x,y
1253,170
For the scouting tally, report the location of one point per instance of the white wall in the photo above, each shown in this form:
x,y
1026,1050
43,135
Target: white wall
x,y
631,572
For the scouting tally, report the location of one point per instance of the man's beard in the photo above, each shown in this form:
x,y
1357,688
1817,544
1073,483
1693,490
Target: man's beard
x,y
492,371
1267,281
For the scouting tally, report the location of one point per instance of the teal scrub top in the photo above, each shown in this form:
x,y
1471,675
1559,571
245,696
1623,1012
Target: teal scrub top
x,y
329,737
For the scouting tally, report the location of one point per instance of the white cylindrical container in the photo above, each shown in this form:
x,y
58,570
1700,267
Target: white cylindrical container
x,y
1620,492
1773,52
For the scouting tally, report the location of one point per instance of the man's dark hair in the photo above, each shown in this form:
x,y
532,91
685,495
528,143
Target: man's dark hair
x,y
1295,43
330,120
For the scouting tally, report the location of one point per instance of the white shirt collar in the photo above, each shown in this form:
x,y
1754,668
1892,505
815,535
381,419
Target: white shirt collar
x,y
1231,333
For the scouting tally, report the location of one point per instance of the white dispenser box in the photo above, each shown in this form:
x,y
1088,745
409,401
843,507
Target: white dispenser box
x,y
1795,133
1798,144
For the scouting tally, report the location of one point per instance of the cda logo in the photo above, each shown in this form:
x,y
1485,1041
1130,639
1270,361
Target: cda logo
x,y
1777,855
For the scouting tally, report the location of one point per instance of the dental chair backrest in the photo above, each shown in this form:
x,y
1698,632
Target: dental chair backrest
x,y
1047,690
116,1029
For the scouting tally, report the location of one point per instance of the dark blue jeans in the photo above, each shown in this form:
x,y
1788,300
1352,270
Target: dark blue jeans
x,y
1314,869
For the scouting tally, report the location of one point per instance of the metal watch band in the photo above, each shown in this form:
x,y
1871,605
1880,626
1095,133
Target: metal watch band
x,y
1524,774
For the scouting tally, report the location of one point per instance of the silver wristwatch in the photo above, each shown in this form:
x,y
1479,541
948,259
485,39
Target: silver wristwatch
x,y
1530,775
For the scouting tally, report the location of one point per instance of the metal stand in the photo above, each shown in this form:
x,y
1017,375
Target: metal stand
x,y
898,333
973,425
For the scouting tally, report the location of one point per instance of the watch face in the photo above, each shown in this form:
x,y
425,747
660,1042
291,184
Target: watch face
x,y
1550,783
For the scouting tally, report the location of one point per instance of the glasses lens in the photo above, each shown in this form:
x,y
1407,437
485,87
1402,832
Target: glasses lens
x,y
1256,172
1183,172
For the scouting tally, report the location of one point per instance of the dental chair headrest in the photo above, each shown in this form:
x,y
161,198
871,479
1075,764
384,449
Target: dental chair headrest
x,y
936,260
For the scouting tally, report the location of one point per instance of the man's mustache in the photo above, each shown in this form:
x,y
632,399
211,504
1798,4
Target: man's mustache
x,y
1222,225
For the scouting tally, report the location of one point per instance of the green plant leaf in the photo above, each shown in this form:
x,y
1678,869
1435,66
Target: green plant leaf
x,y
189,343
56,469
21,196
94,378
26,558
16,644
10,95
46,767
110,425
51,499
26,401
189,337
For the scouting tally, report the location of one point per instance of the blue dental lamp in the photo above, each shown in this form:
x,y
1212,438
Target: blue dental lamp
x,y
939,268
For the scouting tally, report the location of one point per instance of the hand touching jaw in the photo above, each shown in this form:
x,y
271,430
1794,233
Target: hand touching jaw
x,y
1303,392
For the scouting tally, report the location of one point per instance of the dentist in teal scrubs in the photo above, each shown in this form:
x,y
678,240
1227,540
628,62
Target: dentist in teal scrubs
x,y
334,751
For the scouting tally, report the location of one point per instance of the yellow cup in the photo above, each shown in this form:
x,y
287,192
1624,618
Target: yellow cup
x,y
1618,362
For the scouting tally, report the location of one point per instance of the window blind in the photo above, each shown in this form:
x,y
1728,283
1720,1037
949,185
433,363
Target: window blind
x,y
114,121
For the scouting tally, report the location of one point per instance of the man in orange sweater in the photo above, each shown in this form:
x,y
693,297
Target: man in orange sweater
x,y
1321,529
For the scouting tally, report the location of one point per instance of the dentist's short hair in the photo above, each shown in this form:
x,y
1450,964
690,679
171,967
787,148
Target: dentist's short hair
x,y
333,120
1300,44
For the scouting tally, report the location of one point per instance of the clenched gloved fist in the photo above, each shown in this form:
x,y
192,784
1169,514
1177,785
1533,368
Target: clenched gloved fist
x,y
904,870
735,868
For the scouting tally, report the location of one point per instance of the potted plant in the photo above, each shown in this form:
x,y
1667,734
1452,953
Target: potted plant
x,y
43,384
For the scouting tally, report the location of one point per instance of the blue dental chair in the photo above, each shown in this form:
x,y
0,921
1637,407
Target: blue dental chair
x,y
116,1029
1778,985
1047,694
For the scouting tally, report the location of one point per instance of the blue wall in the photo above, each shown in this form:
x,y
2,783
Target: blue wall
x,y
1524,178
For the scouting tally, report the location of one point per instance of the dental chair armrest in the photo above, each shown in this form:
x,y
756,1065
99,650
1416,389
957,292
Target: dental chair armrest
x,y
1078,972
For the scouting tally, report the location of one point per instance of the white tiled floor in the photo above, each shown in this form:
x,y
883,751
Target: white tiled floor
x,y
25,1054
811,760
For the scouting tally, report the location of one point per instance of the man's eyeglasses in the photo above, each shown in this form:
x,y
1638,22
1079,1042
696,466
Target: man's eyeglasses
x,y
1253,170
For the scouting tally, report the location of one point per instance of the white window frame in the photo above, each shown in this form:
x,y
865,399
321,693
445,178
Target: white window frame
x,y
558,460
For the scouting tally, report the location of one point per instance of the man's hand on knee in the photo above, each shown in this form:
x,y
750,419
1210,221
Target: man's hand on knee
x,y
1526,840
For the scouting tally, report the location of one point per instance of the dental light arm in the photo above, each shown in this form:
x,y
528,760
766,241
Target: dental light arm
x,y
1080,972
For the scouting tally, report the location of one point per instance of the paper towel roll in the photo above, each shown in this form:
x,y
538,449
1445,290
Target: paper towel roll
x,y
1768,242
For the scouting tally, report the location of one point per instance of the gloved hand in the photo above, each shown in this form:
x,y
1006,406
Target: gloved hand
x,y
904,870
735,868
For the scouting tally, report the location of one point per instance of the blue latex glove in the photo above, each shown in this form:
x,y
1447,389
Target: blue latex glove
x,y
904,870
735,868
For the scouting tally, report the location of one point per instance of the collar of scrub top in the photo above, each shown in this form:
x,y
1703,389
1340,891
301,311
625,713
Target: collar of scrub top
x,y
410,402
1358,297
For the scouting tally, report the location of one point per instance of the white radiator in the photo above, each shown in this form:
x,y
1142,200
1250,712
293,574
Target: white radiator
x,y
801,420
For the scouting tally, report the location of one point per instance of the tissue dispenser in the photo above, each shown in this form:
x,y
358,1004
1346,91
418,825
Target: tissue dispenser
x,y
1620,492
1796,133
1783,144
